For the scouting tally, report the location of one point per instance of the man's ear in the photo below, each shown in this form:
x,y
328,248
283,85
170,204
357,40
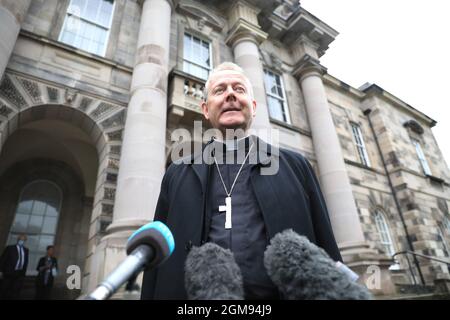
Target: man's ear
x,y
254,108
205,110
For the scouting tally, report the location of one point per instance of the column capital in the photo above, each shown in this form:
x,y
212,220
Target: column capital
x,y
243,22
243,30
307,66
172,3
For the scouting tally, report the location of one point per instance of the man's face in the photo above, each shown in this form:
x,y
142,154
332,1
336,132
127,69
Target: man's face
x,y
229,104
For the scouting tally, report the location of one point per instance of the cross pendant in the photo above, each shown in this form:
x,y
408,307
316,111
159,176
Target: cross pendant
x,y
227,209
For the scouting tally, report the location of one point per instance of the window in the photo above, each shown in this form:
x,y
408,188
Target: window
x,y
275,97
421,156
360,146
37,216
197,57
87,25
385,235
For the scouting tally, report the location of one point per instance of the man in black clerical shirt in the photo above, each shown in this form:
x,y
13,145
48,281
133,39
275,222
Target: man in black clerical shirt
x,y
197,196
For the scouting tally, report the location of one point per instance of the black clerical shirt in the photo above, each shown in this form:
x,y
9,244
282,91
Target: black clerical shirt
x,y
247,238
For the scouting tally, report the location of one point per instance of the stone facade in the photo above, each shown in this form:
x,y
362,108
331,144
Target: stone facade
x,y
100,127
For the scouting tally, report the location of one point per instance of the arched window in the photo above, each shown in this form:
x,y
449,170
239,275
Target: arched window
x,y
37,216
384,233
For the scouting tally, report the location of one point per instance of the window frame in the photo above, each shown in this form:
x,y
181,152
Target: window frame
x,y
185,60
94,23
286,110
426,169
360,146
387,231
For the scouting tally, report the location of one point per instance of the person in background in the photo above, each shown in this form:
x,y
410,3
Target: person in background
x,y
13,265
47,268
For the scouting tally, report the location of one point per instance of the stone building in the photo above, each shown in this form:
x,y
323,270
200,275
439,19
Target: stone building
x,y
88,84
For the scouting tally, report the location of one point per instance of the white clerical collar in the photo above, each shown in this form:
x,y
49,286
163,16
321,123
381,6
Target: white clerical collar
x,y
232,144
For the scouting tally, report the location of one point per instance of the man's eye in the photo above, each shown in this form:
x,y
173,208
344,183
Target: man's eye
x,y
240,89
218,91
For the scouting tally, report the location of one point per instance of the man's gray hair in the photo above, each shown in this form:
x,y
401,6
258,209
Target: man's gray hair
x,y
227,66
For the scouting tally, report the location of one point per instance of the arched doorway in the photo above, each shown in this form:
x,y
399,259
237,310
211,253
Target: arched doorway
x,y
72,138
48,182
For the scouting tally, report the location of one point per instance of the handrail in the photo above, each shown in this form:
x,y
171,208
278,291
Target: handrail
x,y
415,254
422,256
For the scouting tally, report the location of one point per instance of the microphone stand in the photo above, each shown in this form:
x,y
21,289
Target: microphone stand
x,y
127,271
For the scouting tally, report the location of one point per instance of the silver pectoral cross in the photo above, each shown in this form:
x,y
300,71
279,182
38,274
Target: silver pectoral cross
x,y
227,209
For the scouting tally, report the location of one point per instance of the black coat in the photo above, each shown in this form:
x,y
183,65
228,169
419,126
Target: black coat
x,y
40,279
291,199
9,258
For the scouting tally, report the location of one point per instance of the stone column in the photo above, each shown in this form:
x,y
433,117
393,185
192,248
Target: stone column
x,y
142,162
12,14
335,182
333,174
244,37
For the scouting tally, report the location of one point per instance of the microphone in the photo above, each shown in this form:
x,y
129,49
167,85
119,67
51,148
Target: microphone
x,y
147,247
303,271
211,273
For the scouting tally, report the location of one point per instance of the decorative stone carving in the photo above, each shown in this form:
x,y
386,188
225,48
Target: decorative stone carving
x,y
116,120
202,14
53,94
102,109
4,110
32,89
85,103
115,135
115,150
70,95
110,194
10,93
113,164
201,23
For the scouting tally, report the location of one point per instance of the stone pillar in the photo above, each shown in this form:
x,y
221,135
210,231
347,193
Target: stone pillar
x,y
142,162
244,37
335,182
12,14
333,174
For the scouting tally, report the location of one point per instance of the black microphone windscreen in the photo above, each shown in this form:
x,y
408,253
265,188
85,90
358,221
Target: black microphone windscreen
x,y
211,273
303,271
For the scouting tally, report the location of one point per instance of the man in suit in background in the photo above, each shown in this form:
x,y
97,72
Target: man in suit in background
x,y
13,265
47,268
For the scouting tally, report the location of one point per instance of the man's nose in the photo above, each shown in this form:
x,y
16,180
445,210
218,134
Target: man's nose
x,y
230,94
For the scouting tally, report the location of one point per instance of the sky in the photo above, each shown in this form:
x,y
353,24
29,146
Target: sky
x,y
401,45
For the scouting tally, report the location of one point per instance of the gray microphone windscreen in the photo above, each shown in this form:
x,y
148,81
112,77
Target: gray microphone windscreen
x,y
211,273
303,271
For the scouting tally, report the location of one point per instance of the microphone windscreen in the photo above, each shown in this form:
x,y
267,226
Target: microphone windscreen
x,y
303,271
211,273
156,235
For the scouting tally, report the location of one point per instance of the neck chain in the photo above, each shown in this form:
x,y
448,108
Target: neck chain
x,y
227,207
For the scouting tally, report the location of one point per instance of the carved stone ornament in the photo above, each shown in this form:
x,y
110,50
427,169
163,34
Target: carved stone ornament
x,y
70,96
